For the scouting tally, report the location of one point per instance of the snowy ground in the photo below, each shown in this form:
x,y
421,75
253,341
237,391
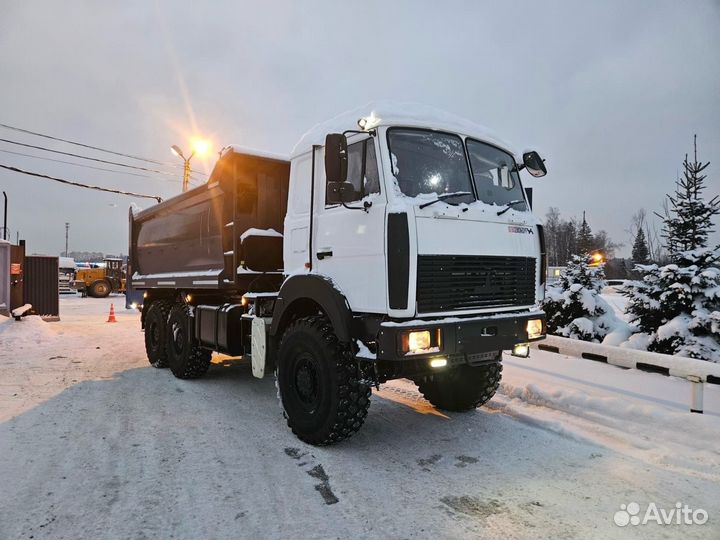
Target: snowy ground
x,y
95,443
618,302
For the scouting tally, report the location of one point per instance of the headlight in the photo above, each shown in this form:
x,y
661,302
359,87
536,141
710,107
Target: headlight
x,y
534,328
420,341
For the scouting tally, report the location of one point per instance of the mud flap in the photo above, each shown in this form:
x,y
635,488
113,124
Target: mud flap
x,y
259,346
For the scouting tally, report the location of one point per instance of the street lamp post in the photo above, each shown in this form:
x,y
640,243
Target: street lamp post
x,y
199,147
186,165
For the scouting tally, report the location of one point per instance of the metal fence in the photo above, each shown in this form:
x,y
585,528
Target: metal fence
x,y
41,285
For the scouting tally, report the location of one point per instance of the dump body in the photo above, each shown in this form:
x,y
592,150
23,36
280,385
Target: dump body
x,y
201,238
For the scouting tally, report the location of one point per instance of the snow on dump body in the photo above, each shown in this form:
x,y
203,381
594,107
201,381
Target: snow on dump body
x,y
387,113
260,232
239,149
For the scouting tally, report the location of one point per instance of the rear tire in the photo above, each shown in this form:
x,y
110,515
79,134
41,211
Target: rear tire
x,y
186,359
156,320
462,388
100,289
318,383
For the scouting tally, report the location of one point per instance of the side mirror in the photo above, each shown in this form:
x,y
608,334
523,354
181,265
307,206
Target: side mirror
x,y
534,164
336,158
340,192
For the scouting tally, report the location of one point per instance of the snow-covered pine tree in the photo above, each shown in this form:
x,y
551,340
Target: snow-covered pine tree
x,y
574,307
584,238
676,307
640,251
689,218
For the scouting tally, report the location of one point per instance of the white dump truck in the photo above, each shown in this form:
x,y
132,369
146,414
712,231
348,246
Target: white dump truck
x,y
387,245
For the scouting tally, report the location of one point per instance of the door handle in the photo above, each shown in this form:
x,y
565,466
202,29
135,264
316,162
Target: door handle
x,y
323,254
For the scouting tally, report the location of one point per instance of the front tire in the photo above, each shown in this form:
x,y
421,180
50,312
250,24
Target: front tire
x,y
100,289
187,360
462,388
156,320
318,383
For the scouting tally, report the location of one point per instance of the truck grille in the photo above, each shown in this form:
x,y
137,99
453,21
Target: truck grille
x,y
459,282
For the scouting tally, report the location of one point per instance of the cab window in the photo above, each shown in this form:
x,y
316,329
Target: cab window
x,y
363,168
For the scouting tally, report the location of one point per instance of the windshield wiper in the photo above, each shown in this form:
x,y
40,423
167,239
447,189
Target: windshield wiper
x,y
446,196
509,205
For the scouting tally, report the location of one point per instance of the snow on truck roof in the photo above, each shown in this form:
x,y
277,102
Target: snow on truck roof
x,y
381,113
390,113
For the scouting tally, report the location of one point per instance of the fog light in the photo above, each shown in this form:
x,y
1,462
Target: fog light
x,y
133,305
534,328
418,341
522,350
438,362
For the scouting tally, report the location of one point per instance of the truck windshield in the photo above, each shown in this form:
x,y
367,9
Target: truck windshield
x,y
426,162
496,176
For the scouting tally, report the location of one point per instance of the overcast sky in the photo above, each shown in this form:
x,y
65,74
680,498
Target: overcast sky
x,y
611,92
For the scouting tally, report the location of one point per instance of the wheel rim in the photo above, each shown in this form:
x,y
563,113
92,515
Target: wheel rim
x,y
102,288
178,338
306,382
154,335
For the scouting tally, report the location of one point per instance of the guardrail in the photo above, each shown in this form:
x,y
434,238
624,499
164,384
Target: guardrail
x,y
697,372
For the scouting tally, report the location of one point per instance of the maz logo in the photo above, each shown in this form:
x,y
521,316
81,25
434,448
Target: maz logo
x,y
520,230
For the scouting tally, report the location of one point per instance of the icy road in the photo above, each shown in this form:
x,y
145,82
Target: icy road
x,y
94,443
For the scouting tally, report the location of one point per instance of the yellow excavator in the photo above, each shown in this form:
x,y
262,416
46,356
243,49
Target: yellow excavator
x,y
100,282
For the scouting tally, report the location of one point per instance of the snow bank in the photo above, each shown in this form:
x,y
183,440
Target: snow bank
x,y
28,333
656,434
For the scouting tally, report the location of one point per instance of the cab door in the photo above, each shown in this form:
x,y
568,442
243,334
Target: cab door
x,y
349,244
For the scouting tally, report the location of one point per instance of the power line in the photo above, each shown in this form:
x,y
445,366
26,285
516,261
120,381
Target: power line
x,y
91,166
86,157
21,130
79,184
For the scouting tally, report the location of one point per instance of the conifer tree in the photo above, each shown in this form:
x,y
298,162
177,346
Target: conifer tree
x,y
574,307
584,238
688,222
676,307
640,251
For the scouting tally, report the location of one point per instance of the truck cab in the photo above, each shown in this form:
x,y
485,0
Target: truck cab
x,y
387,245
420,221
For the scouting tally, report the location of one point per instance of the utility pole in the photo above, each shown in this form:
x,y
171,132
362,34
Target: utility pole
x,y
67,228
5,232
186,175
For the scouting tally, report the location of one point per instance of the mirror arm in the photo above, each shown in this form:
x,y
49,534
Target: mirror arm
x,y
371,132
365,207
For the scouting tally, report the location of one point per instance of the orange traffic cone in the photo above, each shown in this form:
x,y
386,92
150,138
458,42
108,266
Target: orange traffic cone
x,y
111,318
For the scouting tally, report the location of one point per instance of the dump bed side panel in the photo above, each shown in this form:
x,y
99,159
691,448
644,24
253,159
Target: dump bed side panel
x,y
185,236
198,233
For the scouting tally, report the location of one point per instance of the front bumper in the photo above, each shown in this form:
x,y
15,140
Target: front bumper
x,y
464,340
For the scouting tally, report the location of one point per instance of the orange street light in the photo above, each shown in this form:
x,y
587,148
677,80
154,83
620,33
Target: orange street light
x,y
199,147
